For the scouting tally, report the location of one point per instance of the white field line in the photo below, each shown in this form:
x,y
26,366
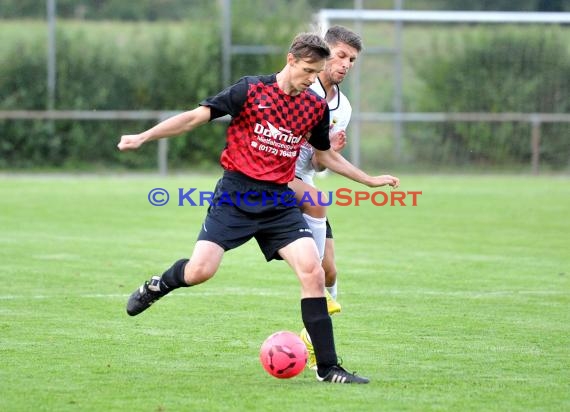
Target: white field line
x,y
218,292
264,292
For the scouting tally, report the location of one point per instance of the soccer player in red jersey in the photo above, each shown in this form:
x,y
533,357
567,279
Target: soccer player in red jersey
x,y
270,116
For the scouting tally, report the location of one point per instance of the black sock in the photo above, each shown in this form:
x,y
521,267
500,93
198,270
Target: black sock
x,y
319,326
173,278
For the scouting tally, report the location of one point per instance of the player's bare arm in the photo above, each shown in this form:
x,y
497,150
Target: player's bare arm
x,y
175,125
337,163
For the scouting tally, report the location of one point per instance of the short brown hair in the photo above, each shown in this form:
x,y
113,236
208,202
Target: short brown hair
x,y
340,34
309,46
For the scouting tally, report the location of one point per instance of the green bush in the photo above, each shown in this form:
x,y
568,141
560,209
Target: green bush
x,y
508,70
124,66
150,10
105,67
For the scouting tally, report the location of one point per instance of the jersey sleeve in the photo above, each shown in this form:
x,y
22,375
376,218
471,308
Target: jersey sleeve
x,y
320,134
228,101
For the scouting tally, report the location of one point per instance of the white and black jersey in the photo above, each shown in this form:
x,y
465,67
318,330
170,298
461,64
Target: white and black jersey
x,y
340,111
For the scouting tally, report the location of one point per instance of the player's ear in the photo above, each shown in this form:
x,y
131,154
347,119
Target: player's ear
x,y
291,59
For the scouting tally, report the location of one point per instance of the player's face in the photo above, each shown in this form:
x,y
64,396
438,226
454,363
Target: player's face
x,y
304,73
341,61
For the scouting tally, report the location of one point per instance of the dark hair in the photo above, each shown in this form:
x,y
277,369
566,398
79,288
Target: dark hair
x,y
340,34
309,46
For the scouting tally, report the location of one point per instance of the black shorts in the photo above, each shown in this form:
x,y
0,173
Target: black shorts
x,y
243,208
329,230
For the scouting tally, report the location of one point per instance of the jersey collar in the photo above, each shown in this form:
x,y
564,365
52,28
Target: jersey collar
x,y
325,95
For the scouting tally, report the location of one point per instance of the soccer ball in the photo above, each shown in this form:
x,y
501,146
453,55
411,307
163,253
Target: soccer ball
x,y
283,355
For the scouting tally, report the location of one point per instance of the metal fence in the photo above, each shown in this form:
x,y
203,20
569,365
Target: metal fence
x,y
325,17
534,119
398,17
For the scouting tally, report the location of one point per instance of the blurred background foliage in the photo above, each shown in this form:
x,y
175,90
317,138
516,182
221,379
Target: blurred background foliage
x,y
508,70
152,10
166,55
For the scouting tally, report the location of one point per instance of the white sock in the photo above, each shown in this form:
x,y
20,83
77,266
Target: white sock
x,y
319,227
333,290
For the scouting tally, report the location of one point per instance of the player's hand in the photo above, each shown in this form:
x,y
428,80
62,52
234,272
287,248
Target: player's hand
x,y
338,140
130,142
385,180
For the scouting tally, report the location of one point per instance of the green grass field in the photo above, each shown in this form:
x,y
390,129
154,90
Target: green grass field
x,y
458,304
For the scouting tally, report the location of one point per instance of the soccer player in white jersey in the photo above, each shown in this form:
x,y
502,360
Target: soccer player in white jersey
x,y
345,47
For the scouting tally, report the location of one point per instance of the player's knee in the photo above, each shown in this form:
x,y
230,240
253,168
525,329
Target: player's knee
x,y
315,210
196,273
313,280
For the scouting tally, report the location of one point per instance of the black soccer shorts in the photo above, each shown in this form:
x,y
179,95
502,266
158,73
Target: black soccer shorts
x,y
244,208
329,230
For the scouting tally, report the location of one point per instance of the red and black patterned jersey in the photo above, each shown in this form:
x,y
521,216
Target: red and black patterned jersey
x,y
267,127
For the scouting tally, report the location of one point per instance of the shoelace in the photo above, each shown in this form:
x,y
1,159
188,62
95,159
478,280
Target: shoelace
x,y
149,296
344,371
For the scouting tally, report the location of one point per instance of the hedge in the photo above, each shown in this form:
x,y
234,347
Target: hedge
x,y
512,69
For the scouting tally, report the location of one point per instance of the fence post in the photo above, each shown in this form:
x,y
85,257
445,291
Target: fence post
x,y
163,157
535,145
162,151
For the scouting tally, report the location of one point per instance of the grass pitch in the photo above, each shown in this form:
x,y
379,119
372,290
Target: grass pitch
x,y
459,303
